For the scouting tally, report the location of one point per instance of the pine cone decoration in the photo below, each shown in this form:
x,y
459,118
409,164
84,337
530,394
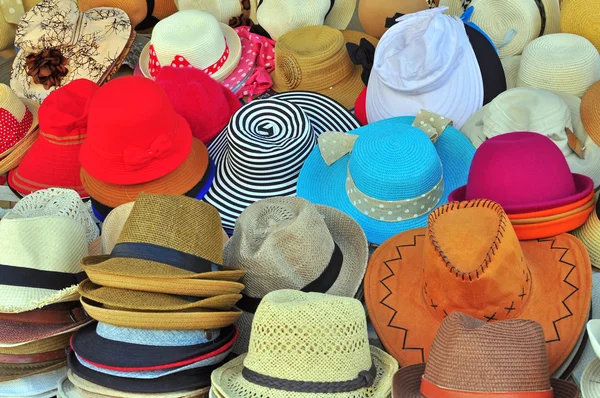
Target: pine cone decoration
x,y
47,67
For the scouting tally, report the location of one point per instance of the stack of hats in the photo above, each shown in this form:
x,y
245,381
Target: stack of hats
x,y
132,149
42,241
528,175
164,302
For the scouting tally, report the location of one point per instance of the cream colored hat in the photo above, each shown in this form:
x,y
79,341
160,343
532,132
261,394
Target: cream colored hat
x,y
511,70
192,38
511,24
223,10
560,62
40,261
589,234
325,354
289,243
590,388
540,111
278,17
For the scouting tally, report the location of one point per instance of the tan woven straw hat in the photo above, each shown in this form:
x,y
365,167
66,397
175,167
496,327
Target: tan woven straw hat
x,y
325,354
511,24
590,112
166,237
225,11
315,58
289,243
508,357
40,261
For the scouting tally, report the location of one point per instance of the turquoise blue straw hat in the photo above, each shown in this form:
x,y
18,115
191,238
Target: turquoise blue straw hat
x,y
388,175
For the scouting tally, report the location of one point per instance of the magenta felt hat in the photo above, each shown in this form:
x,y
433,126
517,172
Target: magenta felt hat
x,y
523,172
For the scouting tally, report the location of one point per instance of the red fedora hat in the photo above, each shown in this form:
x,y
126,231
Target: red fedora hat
x,y
53,160
523,172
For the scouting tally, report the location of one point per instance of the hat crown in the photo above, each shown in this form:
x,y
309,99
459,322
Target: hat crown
x,y
177,222
394,161
516,162
278,17
508,356
281,243
15,119
309,337
482,265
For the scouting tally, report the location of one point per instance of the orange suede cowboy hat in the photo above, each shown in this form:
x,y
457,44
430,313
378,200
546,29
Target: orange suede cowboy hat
x,y
469,259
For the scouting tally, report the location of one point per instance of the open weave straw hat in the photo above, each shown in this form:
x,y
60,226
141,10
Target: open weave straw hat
x,y
289,243
40,260
325,354
508,357
581,18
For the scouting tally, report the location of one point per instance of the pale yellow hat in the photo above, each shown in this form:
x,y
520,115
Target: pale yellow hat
x,y
581,17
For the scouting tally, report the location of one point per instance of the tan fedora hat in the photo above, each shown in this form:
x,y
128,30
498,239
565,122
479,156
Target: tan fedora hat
x,y
166,237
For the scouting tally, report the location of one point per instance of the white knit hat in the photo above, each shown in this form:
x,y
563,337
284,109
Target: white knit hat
x,y
425,61
540,111
192,38
39,260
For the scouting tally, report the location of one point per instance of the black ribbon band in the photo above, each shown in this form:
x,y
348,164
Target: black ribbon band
x,y
164,255
150,20
320,285
365,379
38,279
540,5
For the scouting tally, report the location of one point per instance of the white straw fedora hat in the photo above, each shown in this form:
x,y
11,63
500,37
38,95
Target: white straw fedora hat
x,y
325,354
289,243
192,38
223,10
278,17
560,62
555,115
511,24
425,61
40,261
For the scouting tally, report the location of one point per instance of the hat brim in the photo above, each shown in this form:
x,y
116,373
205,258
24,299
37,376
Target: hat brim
x,y
18,150
559,301
326,185
341,14
350,238
47,344
407,384
235,53
13,333
230,197
346,91
14,373
547,229
589,234
194,319
228,380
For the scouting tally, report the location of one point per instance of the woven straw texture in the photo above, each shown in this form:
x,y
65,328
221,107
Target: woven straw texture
x,y
590,112
328,342
560,62
33,385
582,18
169,338
113,225
590,388
589,234
511,67
15,374
39,346
42,243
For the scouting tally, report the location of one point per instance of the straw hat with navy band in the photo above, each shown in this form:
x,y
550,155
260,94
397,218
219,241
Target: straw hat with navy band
x,y
289,243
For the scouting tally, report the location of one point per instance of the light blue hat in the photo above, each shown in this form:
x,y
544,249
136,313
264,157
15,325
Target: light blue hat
x,y
389,175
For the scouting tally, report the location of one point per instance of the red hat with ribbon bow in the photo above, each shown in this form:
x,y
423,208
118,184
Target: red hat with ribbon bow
x,y
53,160
135,146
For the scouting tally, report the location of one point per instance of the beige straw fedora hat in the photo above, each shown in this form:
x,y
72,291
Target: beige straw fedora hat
x,y
511,24
315,58
226,11
289,243
555,115
508,357
192,38
40,261
165,238
325,354
18,127
277,17
561,62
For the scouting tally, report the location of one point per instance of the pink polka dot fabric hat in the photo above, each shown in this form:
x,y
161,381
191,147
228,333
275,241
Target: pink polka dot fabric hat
x,y
192,38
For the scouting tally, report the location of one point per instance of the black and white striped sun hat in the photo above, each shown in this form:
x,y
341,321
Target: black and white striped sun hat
x,y
260,153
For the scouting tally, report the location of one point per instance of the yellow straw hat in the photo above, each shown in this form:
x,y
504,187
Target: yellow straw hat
x,y
581,17
590,112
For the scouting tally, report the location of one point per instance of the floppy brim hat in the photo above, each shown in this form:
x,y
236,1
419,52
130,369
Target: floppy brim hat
x,y
230,197
346,233
407,384
326,185
229,382
197,318
181,180
11,159
109,354
559,299
347,90
124,299
235,53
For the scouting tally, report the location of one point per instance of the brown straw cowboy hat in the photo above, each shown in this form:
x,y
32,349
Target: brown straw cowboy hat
x,y
166,238
508,358
468,259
